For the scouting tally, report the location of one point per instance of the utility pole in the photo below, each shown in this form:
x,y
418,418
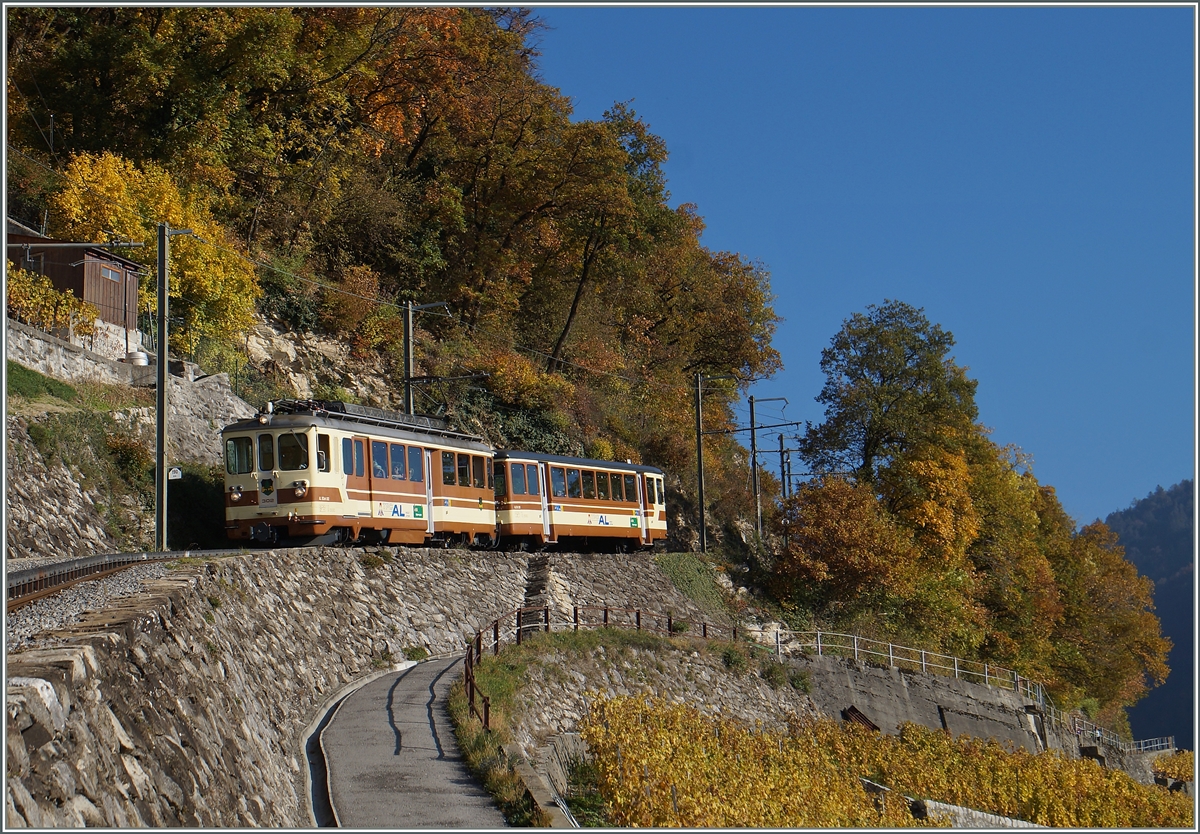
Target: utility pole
x,y
700,464
754,461
783,466
160,459
409,360
754,471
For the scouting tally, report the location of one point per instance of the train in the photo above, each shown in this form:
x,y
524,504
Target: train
x,y
315,472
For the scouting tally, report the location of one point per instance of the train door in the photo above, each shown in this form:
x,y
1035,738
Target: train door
x,y
542,490
429,492
358,477
548,531
645,507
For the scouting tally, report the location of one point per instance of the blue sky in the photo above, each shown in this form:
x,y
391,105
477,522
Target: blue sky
x,y
1024,174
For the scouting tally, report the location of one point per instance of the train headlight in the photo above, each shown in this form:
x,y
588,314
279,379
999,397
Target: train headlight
x,y
301,488
235,493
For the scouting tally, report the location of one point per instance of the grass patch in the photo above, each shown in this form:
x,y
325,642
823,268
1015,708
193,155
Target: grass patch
x,y
417,653
694,578
583,796
483,752
27,383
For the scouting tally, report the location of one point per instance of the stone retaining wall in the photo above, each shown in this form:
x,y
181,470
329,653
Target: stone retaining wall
x,y
62,360
187,706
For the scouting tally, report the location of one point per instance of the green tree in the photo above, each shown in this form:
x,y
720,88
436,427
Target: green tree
x,y
890,386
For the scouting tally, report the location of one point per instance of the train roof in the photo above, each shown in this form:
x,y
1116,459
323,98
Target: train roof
x,y
516,454
293,414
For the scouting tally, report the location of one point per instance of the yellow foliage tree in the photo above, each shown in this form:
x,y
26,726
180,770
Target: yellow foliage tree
x,y
31,298
212,287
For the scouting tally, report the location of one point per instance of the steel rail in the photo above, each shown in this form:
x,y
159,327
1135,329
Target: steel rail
x,y
26,586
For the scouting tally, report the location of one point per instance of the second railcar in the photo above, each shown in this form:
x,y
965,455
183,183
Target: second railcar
x,y
578,503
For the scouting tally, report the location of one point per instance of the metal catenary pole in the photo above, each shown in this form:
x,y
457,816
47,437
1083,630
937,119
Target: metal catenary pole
x,y
160,469
700,462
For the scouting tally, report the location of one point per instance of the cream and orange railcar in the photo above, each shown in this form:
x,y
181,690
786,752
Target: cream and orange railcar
x,y
317,472
578,503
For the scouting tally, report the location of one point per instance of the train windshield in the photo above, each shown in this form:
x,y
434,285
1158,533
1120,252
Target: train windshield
x,y
293,451
239,455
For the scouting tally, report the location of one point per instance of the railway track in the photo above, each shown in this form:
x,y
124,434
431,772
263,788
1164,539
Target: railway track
x,y
31,584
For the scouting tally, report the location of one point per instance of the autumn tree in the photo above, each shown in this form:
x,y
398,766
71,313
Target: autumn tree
x,y
1107,643
890,385
213,288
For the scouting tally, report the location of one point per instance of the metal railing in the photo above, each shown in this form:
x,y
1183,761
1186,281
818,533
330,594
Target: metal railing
x,y
905,657
512,626
518,624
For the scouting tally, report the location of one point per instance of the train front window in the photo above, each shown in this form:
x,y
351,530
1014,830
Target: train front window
x,y
662,495
602,486
558,482
589,484
379,461
416,465
448,468
631,488
398,462
239,455
477,470
532,480
518,478
266,452
293,451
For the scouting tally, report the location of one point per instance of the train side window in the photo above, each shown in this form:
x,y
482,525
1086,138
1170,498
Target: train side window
x,y
416,464
464,470
491,476
532,480
323,462
573,487
448,468
589,484
631,488
379,461
602,486
617,494
662,495
398,462
558,482
347,456
518,478
239,455
266,452
480,479
359,468
501,488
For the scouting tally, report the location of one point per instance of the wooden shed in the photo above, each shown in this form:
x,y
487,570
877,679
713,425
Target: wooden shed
x,y
92,273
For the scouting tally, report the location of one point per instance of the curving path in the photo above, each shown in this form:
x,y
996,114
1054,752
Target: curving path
x,y
392,759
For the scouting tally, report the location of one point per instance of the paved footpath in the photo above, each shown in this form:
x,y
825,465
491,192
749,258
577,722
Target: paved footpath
x,y
393,761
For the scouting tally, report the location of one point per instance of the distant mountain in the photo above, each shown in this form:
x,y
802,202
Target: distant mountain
x,y
1156,533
